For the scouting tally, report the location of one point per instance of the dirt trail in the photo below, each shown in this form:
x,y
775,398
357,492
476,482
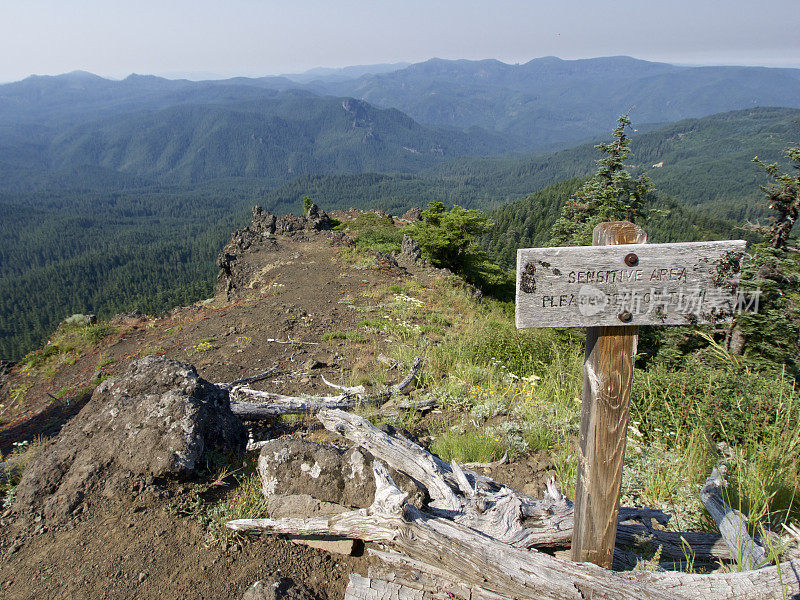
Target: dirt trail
x,y
137,549
297,305
125,548
299,292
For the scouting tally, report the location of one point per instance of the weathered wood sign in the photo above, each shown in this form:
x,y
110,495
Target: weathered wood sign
x,y
611,288
635,284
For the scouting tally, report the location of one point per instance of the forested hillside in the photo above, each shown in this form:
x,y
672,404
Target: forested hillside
x,y
112,241
528,222
556,103
117,195
105,253
703,162
277,138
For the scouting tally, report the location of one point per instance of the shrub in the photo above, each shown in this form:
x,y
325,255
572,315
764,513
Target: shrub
x,y
447,239
731,405
372,231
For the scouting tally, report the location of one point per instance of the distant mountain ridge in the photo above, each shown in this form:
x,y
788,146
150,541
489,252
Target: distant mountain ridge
x,y
705,163
272,135
344,73
546,103
554,102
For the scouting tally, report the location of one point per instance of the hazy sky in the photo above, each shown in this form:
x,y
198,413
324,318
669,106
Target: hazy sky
x,y
261,37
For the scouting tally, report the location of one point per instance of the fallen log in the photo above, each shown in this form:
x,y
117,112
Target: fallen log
x,y
419,405
416,365
477,560
274,370
272,405
497,510
471,536
292,405
540,523
732,523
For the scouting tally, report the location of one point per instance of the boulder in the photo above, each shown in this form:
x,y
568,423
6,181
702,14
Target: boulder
x,y
155,422
410,248
317,218
284,589
333,476
79,319
412,215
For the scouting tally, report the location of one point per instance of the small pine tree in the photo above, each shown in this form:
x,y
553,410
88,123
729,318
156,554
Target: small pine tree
x,y
770,337
610,195
447,239
307,204
784,199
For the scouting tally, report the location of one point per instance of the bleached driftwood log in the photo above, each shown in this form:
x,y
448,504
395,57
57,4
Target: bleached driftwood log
x,y
732,523
471,539
274,405
463,496
416,365
476,560
271,405
479,501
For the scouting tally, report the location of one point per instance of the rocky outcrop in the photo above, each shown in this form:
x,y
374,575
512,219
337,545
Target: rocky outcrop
x,y
266,223
410,248
356,110
259,236
283,589
412,215
153,423
318,479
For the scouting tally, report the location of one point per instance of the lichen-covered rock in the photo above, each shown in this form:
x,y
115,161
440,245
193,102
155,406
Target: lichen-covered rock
x,y
410,248
290,466
412,214
284,589
80,320
154,422
294,466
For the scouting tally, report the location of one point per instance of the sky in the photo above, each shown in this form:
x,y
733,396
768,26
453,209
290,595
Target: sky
x,y
265,37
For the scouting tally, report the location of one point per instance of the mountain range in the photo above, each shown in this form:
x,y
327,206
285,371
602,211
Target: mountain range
x,y
117,195
277,127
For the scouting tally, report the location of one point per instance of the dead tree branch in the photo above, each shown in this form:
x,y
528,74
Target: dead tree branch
x,y
732,523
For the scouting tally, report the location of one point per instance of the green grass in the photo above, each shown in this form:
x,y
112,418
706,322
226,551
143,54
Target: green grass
x,y
689,411
566,467
22,455
530,382
472,446
66,345
228,489
373,232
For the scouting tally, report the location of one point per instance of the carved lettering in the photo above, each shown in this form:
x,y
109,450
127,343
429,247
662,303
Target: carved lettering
x,y
670,284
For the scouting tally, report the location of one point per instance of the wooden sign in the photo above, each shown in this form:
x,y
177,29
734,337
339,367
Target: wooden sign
x,y
635,284
611,288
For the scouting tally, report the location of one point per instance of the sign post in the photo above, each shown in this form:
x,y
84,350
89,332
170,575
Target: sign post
x,y
611,291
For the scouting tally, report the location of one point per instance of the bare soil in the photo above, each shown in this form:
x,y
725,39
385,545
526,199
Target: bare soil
x,y
126,547
136,548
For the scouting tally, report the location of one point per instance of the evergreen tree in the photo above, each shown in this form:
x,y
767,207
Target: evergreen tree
x,y
784,199
447,239
769,336
307,204
610,195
